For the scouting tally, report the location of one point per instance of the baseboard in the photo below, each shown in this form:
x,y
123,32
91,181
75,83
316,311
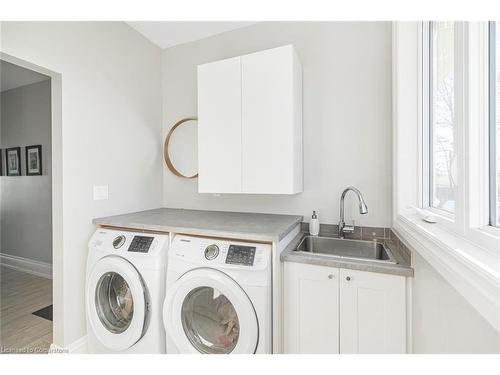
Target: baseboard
x,y
76,347
33,267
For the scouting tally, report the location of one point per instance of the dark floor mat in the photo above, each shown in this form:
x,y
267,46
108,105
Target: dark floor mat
x,y
45,313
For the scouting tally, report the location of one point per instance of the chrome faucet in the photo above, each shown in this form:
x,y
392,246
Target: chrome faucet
x,y
363,210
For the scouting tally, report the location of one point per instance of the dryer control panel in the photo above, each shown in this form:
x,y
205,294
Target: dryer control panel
x,y
225,253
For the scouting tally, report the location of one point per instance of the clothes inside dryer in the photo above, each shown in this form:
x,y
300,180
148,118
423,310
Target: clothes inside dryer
x,y
114,302
210,321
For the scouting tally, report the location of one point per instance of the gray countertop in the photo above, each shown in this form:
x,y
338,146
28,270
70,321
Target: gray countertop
x,y
402,268
245,226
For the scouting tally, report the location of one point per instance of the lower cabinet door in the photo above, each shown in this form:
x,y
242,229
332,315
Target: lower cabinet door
x,y
311,309
372,312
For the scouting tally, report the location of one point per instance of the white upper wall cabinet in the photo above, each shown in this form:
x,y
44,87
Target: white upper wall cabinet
x,y
219,126
272,122
250,124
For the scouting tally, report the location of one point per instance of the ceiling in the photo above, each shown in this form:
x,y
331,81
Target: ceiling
x,y
167,34
13,76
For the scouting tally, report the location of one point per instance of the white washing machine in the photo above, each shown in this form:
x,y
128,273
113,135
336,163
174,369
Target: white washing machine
x,y
218,297
125,288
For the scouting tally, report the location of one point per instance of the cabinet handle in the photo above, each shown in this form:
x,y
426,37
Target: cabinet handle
x,y
330,276
348,278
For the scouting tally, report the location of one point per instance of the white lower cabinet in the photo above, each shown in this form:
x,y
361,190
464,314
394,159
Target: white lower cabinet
x,y
372,312
311,309
332,310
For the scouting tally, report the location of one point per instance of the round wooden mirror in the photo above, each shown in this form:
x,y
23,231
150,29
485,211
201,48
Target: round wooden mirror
x,y
180,148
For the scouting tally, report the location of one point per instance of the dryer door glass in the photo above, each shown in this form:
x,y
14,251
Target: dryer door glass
x,y
114,302
210,321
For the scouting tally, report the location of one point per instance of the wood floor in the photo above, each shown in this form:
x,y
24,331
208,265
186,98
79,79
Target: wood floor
x,y
20,295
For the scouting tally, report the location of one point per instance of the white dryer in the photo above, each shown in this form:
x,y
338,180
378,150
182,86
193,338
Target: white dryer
x,y
125,287
218,297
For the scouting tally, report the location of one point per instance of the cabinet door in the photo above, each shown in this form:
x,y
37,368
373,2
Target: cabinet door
x,y
311,309
219,126
271,122
372,312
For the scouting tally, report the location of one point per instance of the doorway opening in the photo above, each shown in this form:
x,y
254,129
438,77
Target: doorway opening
x,y
26,210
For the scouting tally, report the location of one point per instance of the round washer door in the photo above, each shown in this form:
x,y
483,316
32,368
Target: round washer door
x,y
116,303
206,311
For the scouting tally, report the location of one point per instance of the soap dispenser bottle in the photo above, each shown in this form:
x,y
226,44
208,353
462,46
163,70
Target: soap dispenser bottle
x,y
314,225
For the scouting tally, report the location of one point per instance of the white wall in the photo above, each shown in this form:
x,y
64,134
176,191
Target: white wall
x,y
111,133
442,320
26,214
346,115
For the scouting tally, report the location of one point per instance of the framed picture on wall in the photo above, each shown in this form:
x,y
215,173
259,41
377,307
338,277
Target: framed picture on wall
x,y
13,159
33,160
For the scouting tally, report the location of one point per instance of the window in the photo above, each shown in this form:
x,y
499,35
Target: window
x,y
449,97
460,127
494,118
442,169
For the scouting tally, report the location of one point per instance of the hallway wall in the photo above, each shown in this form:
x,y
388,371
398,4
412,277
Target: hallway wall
x,y
26,201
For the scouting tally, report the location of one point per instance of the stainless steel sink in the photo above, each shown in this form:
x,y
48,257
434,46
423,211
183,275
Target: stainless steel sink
x,y
350,249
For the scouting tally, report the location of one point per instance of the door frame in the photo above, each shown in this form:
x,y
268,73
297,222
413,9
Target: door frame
x,y
57,192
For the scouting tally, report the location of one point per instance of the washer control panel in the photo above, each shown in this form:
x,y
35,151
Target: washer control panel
x,y
140,244
238,254
136,244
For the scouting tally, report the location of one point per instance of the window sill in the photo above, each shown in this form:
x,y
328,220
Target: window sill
x,y
493,232
473,271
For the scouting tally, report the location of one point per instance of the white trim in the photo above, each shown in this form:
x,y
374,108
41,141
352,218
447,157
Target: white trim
x,y
473,271
406,114
461,111
30,266
76,347
395,35
423,114
476,149
277,327
409,315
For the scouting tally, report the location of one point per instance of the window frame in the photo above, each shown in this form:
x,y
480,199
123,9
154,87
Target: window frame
x,y
471,219
465,253
451,220
429,126
492,117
